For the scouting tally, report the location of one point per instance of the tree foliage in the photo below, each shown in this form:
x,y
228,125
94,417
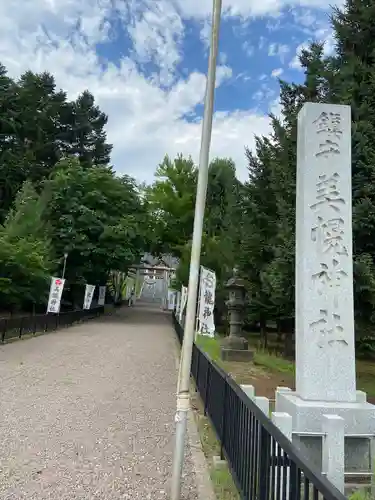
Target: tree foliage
x,y
59,195
26,257
96,218
171,201
39,126
269,233
253,226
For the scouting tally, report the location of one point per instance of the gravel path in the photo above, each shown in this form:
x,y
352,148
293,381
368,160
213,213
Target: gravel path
x,y
87,412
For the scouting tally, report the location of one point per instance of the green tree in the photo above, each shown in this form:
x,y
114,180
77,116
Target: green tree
x,y
26,257
259,228
171,201
97,218
88,138
353,83
267,250
39,126
222,229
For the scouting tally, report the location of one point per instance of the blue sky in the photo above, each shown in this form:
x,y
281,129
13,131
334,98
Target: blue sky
x,y
145,62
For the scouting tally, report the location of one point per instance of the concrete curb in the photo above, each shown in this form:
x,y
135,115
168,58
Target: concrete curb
x,y
201,468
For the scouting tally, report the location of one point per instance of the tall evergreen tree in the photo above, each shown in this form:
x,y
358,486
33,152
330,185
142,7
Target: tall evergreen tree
x,y
268,247
353,83
88,138
39,126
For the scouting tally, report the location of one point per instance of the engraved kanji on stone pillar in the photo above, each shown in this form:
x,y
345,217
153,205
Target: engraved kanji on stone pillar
x,y
325,357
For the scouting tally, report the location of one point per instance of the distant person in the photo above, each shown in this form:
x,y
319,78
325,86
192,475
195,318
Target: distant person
x,y
132,297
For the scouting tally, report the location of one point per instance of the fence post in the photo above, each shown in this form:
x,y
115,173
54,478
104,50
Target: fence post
x,y
285,423
197,374
207,387
248,390
333,450
223,421
264,452
263,404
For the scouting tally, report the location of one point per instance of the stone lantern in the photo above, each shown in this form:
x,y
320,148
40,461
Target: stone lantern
x,y
235,347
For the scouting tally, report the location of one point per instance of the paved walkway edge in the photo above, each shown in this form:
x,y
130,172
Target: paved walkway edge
x,y
202,473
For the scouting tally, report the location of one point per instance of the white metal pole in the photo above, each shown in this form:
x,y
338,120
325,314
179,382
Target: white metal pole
x,y
64,268
183,399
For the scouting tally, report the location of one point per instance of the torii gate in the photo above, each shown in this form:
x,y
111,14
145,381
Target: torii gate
x,y
157,272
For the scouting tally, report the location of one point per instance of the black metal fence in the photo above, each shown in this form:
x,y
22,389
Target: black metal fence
x,y
11,328
264,463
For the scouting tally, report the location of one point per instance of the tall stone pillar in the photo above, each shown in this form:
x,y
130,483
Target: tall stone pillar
x,y
324,262
325,348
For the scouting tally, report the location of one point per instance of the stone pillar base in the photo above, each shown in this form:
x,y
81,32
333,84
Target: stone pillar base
x,y
308,429
234,342
236,354
235,348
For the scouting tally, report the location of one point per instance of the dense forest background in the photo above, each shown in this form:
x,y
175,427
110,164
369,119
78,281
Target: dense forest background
x,y
59,193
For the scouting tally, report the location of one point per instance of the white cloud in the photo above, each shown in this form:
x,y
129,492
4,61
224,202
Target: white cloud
x,y
247,8
264,94
273,25
262,42
325,33
145,120
147,116
223,73
205,33
304,17
278,50
275,107
248,48
223,58
277,72
322,32
156,32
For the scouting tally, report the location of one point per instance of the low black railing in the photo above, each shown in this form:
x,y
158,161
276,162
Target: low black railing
x,y
264,463
11,328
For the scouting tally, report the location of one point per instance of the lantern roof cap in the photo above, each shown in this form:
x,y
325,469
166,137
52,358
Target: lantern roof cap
x,y
235,282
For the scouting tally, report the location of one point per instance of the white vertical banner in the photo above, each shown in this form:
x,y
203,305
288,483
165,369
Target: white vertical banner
x,y
55,294
101,299
184,295
207,303
199,301
89,293
178,303
129,287
171,299
166,291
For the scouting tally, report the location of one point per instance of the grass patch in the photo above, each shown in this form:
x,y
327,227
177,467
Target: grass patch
x,y
209,345
273,362
221,478
366,376
360,495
